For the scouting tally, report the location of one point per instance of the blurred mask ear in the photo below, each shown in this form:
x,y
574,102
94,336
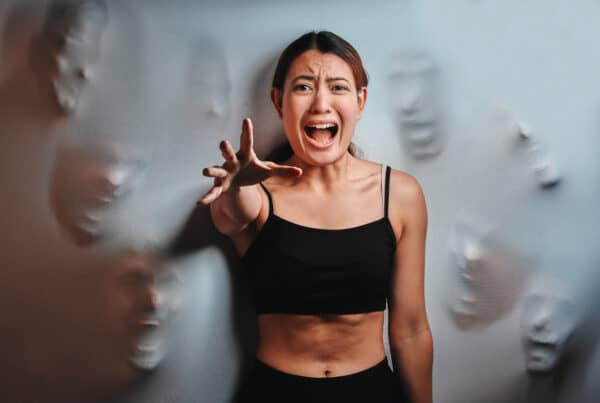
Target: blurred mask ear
x,y
362,100
276,98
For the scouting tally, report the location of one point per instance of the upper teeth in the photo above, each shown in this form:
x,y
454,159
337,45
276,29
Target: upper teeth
x,y
323,126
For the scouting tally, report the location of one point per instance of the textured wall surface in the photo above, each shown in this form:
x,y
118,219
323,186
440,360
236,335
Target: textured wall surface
x,y
109,110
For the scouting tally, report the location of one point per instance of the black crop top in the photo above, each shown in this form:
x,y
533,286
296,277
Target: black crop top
x,y
295,269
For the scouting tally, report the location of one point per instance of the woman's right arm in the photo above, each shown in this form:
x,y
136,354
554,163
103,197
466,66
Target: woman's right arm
x,y
234,198
235,209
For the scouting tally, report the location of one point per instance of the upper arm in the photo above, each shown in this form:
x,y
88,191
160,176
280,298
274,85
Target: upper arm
x,y
408,215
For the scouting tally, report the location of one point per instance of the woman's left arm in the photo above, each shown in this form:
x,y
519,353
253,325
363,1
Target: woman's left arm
x,y
410,336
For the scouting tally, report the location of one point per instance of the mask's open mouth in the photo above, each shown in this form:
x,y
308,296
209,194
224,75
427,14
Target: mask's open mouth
x,y
322,133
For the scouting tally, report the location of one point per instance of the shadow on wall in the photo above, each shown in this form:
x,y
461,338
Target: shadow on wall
x,y
193,237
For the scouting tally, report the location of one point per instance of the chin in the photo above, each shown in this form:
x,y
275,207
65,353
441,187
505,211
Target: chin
x,y
540,367
539,361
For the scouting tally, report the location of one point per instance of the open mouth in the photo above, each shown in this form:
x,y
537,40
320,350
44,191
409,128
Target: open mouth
x,y
148,348
421,134
543,342
322,134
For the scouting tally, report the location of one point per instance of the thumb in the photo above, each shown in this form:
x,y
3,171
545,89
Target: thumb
x,y
283,170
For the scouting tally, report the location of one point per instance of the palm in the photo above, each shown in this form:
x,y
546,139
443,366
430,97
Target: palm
x,y
242,168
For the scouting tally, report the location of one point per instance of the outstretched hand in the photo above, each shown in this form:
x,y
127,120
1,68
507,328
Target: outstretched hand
x,y
242,168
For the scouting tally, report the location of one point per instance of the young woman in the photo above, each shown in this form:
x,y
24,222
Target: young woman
x,y
328,239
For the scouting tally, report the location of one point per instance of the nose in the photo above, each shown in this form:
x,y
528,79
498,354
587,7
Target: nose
x,y
540,320
410,100
320,102
216,104
151,299
215,108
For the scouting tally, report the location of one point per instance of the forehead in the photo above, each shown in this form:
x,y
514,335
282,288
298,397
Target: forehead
x,y
313,62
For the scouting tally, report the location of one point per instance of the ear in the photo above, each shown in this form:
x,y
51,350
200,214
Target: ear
x,y
362,100
277,98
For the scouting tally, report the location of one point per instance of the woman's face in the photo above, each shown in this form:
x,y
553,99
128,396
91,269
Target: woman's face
x,y
319,106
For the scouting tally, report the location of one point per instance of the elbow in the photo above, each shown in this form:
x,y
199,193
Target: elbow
x,y
401,338
407,331
227,224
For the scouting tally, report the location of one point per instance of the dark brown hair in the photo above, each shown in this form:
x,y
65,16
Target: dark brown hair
x,y
324,42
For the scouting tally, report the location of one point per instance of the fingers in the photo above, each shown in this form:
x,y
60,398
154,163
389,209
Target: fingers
x,y
212,195
231,159
283,170
246,138
214,172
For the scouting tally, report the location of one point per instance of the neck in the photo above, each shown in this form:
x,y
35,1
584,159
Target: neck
x,y
323,178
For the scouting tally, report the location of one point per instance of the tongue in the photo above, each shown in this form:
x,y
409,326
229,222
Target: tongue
x,y
322,136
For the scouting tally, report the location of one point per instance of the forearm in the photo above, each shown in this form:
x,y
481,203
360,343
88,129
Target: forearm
x,y
235,209
413,360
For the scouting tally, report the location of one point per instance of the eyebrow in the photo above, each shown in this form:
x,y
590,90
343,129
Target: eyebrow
x,y
312,78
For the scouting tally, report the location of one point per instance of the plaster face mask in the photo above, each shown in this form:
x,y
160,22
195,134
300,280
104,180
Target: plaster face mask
x,y
414,98
77,28
86,185
152,291
151,344
467,259
489,276
550,316
546,169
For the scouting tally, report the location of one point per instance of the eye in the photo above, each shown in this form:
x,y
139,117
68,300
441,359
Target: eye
x,y
138,278
340,88
302,88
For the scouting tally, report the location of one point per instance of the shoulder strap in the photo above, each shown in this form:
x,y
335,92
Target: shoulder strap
x,y
386,193
382,180
268,197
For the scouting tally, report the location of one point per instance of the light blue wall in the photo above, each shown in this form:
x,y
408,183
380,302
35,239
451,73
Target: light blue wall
x,y
532,61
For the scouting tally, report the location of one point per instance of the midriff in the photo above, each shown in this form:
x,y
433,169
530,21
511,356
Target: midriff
x,y
319,346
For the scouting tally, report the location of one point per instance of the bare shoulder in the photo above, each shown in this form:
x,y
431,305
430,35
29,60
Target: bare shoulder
x,y
407,207
405,189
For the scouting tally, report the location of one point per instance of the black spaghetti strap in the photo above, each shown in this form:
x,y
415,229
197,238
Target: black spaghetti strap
x,y
387,190
268,197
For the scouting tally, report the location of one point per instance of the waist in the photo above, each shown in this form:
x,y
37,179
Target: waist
x,y
321,345
276,374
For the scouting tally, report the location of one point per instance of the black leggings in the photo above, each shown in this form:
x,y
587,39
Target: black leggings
x,y
377,384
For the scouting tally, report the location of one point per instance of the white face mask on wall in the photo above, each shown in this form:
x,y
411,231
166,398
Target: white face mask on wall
x,y
76,29
414,93
144,294
550,317
86,183
487,275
